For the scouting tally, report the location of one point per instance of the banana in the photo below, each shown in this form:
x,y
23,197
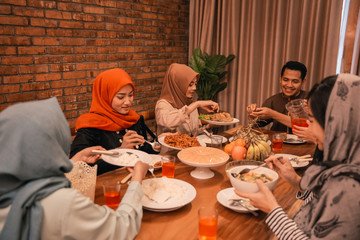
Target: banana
x,y
267,146
257,155
263,151
250,152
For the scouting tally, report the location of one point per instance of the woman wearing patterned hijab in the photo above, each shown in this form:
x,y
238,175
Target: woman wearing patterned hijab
x,y
331,209
175,111
36,201
110,122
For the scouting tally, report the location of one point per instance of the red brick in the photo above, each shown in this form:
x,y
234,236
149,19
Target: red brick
x,y
75,106
47,59
34,69
85,82
28,12
18,79
31,50
144,22
108,65
14,2
9,70
106,50
84,97
96,42
96,58
123,20
75,91
73,41
143,76
7,50
9,89
84,17
41,22
46,41
86,50
106,34
22,97
13,20
63,84
149,15
42,4
91,25
73,58
107,3
48,77
7,30
57,14
96,10
58,33
15,40
5,9
71,24
126,49
35,86
60,50
72,7
84,33
30,31
66,99
16,60
71,114
119,42
73,75
62,68
114,27
49,93
86,66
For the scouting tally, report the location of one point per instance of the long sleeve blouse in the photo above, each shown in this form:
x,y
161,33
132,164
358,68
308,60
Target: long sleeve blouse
x,y
170,119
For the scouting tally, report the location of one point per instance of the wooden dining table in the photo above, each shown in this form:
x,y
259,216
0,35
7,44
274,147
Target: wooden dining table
x,y
183,223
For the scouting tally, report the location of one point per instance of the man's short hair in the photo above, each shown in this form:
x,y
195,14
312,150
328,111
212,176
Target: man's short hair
x,y
297,66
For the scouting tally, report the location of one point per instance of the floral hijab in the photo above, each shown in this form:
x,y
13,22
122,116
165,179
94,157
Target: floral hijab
x,y
35,143
101,114
328,211
176,82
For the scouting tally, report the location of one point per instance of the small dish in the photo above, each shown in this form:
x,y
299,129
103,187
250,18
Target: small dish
x,y
293,163
293,139
224,197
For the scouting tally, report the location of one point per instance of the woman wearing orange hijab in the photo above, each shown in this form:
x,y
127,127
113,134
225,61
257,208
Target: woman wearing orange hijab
x,y
110,122
175,110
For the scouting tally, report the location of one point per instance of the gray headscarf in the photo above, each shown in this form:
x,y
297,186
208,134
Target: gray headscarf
x,y
35,143
341,158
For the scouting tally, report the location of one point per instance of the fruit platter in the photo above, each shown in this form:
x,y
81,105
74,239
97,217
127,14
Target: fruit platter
x,y
248,143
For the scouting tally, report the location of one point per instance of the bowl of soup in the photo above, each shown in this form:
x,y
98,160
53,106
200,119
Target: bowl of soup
x,y
245,182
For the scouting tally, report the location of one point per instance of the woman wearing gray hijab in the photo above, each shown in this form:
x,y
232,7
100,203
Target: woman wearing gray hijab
x,y
36,201
331,209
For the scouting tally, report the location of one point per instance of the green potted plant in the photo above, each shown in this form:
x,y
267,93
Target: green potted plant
x,y
211,69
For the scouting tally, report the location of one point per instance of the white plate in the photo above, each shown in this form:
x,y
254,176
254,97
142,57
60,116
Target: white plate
x,y
114,160
171,204
155,158
223,197
293,139
293,163
162,142
234,121
205,139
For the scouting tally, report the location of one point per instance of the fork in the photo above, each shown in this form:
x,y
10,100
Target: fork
x,y
241,202
151,170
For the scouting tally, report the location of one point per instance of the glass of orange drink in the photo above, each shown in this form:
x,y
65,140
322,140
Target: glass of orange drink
x,y
168,166
207,223
112,193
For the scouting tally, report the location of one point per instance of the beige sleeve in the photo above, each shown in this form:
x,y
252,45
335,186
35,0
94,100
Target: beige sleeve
x,y
68,214
168,117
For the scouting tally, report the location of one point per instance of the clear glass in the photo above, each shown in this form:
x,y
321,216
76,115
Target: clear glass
x,y
208,217
168,166
112,193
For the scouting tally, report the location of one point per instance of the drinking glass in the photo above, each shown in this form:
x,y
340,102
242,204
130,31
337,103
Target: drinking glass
x,y
168,166
112,193
277,141
216,142
207,223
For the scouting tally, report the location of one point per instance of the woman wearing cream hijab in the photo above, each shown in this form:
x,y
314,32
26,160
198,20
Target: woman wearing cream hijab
x,y
175,111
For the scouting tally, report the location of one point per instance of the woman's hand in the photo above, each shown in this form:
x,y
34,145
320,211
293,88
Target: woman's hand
x,y
208,106
262,113
131,139
87,156
304,133
263,199
283,167
139,171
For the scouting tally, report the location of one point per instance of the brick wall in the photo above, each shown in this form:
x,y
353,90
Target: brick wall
x,y
57,48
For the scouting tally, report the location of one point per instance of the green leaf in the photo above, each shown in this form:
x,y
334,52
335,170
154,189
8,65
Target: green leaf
x,y
215,64
197,62
230,58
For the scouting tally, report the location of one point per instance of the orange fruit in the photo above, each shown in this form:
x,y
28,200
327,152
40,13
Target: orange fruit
x,y
240,142
228,148
238,152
